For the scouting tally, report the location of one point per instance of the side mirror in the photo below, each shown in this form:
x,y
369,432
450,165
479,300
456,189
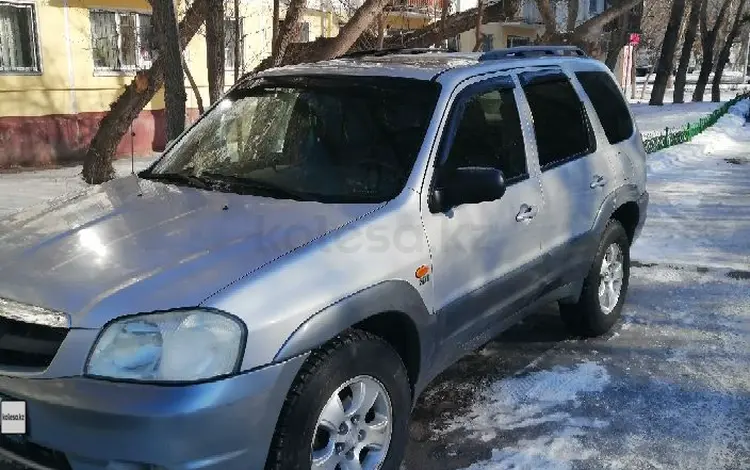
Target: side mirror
x,y
470,185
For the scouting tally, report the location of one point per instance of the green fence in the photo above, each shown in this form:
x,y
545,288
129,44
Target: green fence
x,y
672,137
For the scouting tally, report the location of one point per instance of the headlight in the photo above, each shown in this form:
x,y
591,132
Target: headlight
x,y
180,345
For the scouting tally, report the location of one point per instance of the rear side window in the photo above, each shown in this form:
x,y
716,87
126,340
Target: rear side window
x,y
560,122
609,104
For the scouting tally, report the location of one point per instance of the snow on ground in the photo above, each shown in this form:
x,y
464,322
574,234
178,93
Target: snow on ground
x,y
668,388
699,212
654,119
27,188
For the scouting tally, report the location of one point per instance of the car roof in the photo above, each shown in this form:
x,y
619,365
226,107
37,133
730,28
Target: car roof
x,y
427,65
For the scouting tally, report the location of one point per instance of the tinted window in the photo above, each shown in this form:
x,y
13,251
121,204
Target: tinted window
x,y
489,134
609,105
560,121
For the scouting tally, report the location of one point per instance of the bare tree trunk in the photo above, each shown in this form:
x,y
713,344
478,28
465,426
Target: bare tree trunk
x,y
708,43
618,39
288,30
381,30
97,167
572,14
478,36
632,72
193,86
666,59
691,31
275,27
215,49
548,16
237,41
726,50
744,51
168,39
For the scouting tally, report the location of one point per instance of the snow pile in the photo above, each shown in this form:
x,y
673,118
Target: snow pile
x,y
543,453
529,401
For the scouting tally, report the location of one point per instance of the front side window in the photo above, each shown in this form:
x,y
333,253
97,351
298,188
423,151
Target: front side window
x,y
609,105
488,134
326,139
18,38
560,123
121,41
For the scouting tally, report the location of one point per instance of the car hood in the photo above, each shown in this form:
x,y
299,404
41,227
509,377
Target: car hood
x,y
133,245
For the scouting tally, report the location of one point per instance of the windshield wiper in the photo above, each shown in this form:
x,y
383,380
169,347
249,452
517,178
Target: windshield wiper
x,y
242,185
180,178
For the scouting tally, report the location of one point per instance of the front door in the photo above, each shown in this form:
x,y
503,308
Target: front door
x,y
485,255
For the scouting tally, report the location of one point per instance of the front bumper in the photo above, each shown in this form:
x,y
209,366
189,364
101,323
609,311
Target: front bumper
x,y
226,424
642,210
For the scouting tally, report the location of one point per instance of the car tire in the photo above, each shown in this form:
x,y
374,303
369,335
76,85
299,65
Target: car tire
x,y
338,377
598,309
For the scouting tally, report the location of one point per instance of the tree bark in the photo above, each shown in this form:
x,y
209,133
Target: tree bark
x,y
193,86
708,43
691,31
478,36
97,167
215,49
275,26
617,41
288,30
168,40
350,32
237,41
572,14
666,59
726,50
548,16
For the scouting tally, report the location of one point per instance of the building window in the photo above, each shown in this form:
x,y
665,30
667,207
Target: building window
x,y
454,43
230,41
121,41
515,41
488,42
304,32
19,50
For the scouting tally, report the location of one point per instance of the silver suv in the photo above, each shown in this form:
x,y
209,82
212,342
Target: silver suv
x,y
279,287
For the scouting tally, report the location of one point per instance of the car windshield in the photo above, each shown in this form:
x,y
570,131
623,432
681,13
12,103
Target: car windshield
x,y
332,139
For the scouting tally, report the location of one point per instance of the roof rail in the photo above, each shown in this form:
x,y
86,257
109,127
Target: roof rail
x,y
522,52
394,50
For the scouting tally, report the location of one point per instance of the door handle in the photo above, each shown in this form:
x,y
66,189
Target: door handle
x,y
598,182
527,212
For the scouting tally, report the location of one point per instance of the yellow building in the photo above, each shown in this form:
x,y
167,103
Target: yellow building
x,y
62,62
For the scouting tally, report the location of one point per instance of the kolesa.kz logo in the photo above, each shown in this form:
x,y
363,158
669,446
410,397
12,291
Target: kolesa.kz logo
x,y
13,417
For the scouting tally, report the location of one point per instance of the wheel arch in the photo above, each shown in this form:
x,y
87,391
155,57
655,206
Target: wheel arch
x,y
393,310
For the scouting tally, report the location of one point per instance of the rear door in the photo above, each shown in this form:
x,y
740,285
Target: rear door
x,y
575,177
